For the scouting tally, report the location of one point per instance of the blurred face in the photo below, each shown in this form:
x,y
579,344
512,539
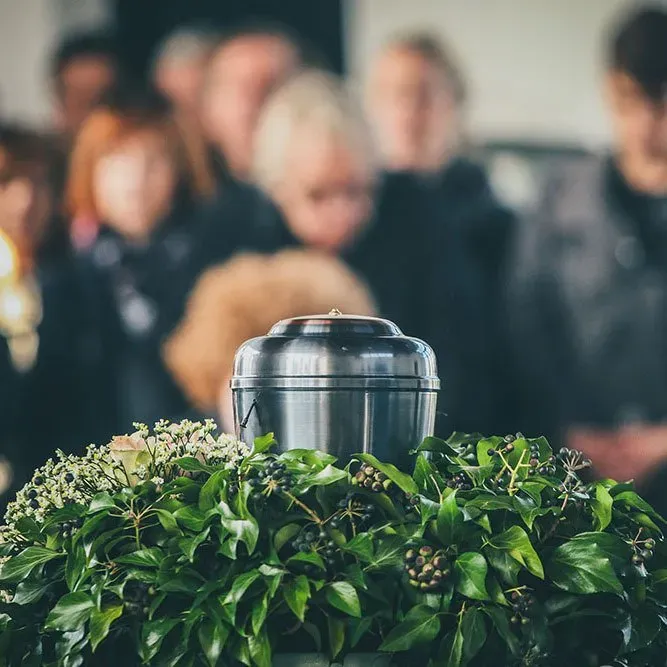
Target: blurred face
x,y
134,185
25,206
181,80
413,110
240,78
327,194
81,85
640,123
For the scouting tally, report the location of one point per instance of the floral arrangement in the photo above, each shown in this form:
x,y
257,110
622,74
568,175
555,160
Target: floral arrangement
x,y
176,546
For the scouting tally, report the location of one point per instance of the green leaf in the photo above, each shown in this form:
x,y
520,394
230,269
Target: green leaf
x,y
324,477
495,591
313,458
285,534
355,575
209,494
449,520
421,628
29,592
100,623
143,558
612,546
239,588
635,501
403,481
424,475
259,612
264,443
241,530
517,544
452,651
212,639
483,447
343,596
191,464
168,522
431,444
501,622
75,567
602,507
260,649
102,501
336,628
17,568
71,611
191,518
473,630
361,546
471,570
297,594
582,568
310,558
188,545
153,633
389,553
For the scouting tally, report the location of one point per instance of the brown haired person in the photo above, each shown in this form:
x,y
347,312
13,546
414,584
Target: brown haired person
x,y
137,175
589,297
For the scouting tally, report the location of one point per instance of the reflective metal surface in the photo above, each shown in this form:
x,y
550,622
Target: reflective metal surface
x,y
342,384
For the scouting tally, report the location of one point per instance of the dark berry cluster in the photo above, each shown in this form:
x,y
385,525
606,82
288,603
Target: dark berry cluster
x,y
573,459
460,482
410,502
372,479
522,605
312,539
547,467
273,478
643,551
68,527
506,448
137,598
426,568
351,507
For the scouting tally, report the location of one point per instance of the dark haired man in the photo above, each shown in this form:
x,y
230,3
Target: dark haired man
x,y
247,65
84,67
589,299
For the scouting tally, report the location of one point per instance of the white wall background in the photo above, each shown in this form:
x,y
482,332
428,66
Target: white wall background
x,y
533,66
29,29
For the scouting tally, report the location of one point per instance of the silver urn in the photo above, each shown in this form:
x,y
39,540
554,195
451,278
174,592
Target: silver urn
x,y
340,384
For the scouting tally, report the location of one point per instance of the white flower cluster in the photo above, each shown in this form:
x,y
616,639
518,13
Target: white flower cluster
x,y
126,460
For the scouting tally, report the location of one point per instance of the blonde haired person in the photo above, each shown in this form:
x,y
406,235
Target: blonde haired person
x,y
242,299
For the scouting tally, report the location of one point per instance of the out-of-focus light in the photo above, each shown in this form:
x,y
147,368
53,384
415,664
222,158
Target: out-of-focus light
x,y
9,260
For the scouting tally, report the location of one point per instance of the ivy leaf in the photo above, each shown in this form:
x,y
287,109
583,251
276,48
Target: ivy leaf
x,y
209,494
152,557
483,447
264,443
260,649
500,619
297,594
613,547
343,596
336,629
167,521
602,507
153,634
102,501
471,570
191,518
583,568
431,444
100,623
313,458
361,546
17,568
188,545
427,477
324,477
402,481
388,553
421,627
449,520
191,464
71,611
212,639
635,501
259,613
75,567
310,558
285,534
473,631
452,648
241,584
517,544
29,591
242,530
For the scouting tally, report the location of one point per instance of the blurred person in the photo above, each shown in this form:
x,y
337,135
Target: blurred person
x,y
85,66
140,176
244,69
26,198
180,65
416,101
589,291
315,157
243,298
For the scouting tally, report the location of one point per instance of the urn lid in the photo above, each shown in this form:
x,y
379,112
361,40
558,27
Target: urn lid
x,y
336,351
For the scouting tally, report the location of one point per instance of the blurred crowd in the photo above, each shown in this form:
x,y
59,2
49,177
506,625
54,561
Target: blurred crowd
x,y
160,225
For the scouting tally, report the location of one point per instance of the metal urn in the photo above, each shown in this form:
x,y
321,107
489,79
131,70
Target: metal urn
x,y
340,384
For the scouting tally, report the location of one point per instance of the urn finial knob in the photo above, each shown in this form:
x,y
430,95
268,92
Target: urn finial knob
x,y
334,312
